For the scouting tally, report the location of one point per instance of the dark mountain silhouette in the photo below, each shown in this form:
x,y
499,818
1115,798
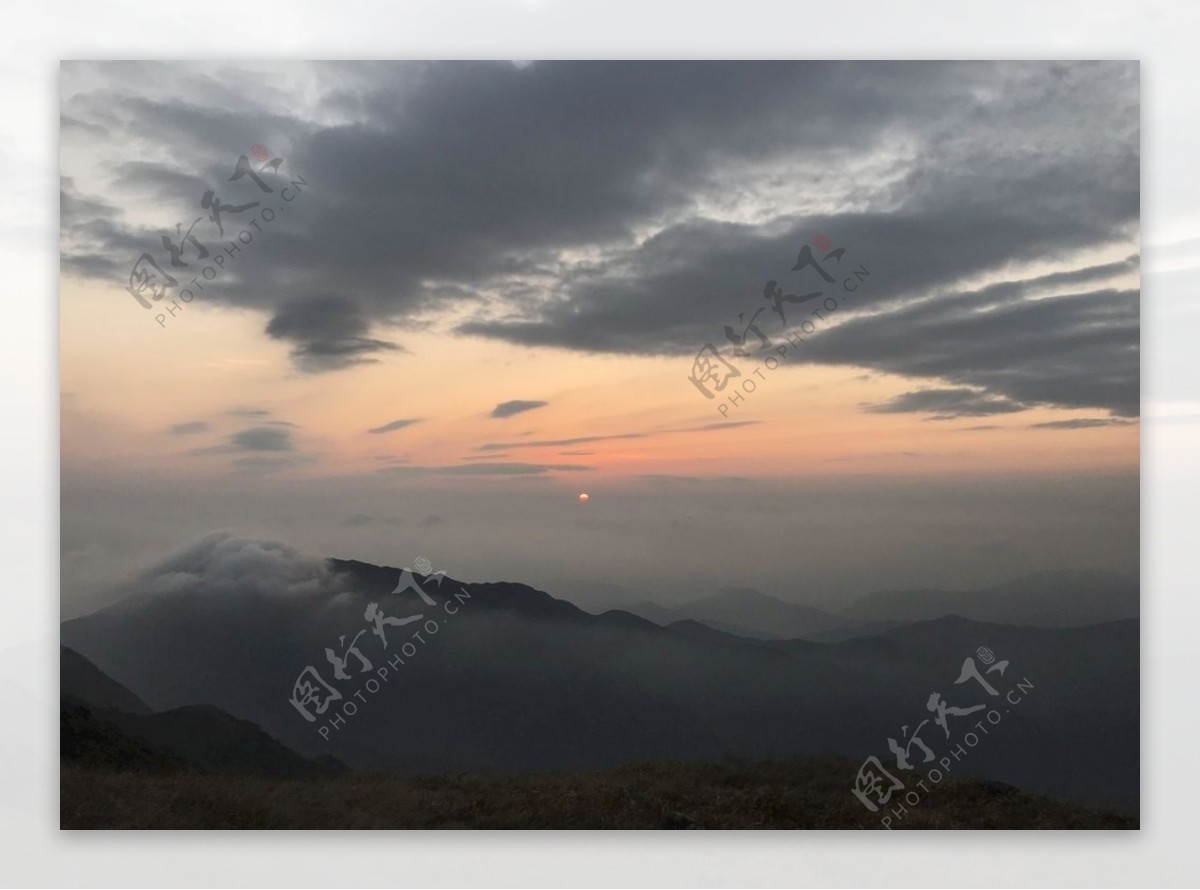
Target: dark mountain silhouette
x,y
859,629
218,742
90,741
1044,599
81,679
698,630
103,724
748,613
517,680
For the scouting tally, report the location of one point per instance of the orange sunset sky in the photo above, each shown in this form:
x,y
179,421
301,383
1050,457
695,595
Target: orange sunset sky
x,y
474,235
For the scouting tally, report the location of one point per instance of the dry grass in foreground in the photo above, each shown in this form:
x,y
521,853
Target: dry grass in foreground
x,y
797,793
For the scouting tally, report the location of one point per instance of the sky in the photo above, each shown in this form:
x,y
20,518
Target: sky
x,y
450,297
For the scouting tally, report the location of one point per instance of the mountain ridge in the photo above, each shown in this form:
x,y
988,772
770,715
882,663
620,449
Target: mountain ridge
x,y
518,680
103,723
1056,598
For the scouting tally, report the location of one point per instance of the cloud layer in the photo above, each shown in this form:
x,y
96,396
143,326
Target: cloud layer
x,y
638,207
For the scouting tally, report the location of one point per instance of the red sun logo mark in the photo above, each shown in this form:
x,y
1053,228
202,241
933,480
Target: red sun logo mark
x,y
260,152
822,243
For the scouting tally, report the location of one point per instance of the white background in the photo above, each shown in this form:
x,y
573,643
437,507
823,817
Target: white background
x,y
35,37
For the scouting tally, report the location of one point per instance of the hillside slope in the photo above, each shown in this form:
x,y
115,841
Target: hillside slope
x,y
797,793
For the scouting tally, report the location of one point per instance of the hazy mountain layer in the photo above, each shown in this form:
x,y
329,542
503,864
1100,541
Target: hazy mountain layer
x,y
517,680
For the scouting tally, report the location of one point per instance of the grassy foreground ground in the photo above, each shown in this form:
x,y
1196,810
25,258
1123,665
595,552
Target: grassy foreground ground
x,y
799,793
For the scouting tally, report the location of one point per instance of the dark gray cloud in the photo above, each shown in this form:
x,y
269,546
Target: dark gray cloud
x,y
248,412
553,443
638,207
583,440
394,425
485,469
946,404
328,333
869,454
1081,423
509,469
1077,350
516,406
718,425
188,428
157,180
271,439
261,438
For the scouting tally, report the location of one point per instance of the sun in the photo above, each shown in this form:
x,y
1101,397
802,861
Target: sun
x,y
584,497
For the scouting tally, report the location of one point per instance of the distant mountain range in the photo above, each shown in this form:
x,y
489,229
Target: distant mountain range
x,y
749,613
1044,599
517,680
